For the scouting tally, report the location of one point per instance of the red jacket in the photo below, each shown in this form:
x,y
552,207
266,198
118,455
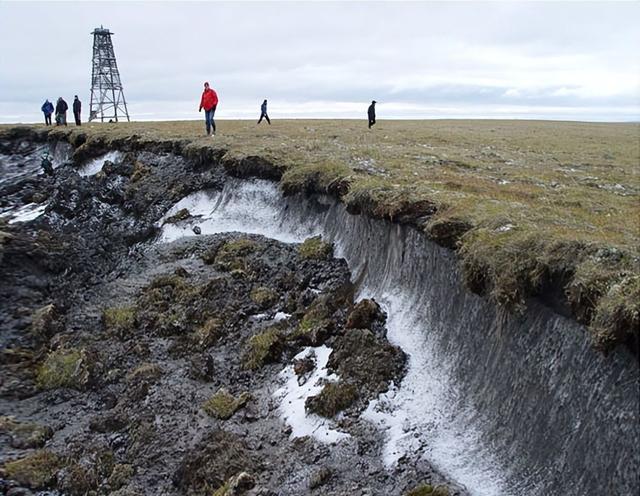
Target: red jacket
x,y
209,99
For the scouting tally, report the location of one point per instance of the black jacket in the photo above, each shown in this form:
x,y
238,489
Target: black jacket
x,y
61,106
76,105
372,111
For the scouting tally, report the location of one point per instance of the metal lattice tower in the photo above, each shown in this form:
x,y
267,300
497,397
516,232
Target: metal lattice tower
x,y
107,97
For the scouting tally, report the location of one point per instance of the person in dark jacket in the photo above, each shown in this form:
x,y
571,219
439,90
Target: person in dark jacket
x,y
77,107
372,113
263,113
47,110
61,112
209,102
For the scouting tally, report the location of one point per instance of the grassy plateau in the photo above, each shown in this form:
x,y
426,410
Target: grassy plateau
x,y
533,208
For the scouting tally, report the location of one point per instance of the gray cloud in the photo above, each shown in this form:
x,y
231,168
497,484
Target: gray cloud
x,y
418,58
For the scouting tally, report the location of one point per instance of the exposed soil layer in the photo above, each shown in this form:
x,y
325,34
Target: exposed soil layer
x,y
131,367
506,256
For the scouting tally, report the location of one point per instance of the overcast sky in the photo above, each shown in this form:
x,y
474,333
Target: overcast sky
x,y
549,60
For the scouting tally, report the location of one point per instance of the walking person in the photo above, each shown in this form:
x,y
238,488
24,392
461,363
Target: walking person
x,y
263,113
371,112
77,106
47,110
209,102
61,112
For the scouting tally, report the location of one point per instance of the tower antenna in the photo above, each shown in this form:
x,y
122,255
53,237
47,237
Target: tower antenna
x,y
107,97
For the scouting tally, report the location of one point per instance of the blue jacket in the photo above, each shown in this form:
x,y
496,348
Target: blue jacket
x,y
263,108
47,107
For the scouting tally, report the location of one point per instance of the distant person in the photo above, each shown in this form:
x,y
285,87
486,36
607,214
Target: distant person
x,y
61,112
209,102
263,113
372,113
77,106
47,110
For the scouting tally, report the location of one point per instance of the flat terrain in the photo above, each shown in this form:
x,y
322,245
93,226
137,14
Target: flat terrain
x,y
527,204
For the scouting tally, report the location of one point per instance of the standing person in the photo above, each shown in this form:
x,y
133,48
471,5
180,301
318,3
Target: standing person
x,y
209,102
47,110
372,113
77,106
263,113
61,112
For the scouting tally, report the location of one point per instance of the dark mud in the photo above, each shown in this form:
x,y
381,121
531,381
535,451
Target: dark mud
x,y
130,367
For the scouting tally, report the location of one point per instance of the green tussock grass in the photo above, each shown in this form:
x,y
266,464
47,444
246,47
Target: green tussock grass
x,y
223,405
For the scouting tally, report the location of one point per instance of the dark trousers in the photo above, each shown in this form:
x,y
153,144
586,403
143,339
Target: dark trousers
x,y
263,114
208,119
372,121
47,119
77,116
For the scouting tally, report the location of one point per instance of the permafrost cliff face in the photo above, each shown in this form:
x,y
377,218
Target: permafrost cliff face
x,y
502,404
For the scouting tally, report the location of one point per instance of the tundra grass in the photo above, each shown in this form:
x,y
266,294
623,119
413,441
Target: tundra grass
x,y
527,204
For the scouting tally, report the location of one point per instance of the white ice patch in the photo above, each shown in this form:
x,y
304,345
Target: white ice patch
x,y
293,396
426,416
25,213
94,166
242,206
281,316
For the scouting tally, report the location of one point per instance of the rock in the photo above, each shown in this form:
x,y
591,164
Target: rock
x,y
197,230
363,315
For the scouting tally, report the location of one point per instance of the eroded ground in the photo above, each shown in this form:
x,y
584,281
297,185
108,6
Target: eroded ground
x,y
134,367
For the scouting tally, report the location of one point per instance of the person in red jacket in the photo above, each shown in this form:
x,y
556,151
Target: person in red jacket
x,y
209,102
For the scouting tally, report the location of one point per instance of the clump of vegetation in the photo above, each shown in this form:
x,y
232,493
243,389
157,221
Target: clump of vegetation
x,y
147,372
428,490
223,404
231,255
315,249
316,324
237,485
209,332
264,297
64,368
37,470
45,322
25,435
334,397
120,475
364,313
178,216
263,348
139,171
119,320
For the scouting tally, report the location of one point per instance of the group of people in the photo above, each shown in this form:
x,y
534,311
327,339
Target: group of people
x,y
209,102
61,111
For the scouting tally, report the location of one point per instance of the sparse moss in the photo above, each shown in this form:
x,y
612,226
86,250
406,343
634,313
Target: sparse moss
x,y
120,475
231,255
428,490
264,297
139,171
25,435
36,470
315,249
315,326
178,216
224,489
263,348
44,322
334,397
223,404
209,332
64,368
120,320
147,372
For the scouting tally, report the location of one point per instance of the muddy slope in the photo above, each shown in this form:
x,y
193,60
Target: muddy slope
x,y
132,367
